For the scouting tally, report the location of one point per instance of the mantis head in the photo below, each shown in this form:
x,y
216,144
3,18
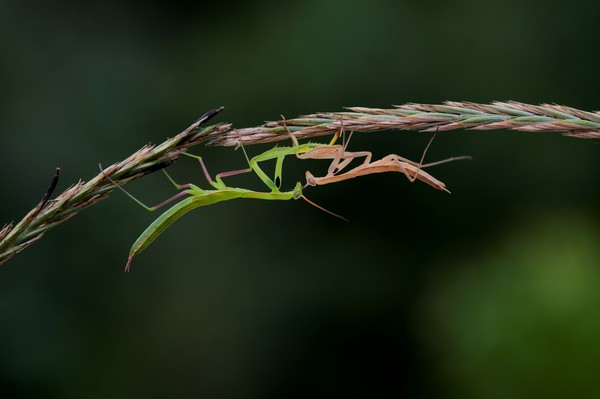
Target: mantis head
x,y
297,192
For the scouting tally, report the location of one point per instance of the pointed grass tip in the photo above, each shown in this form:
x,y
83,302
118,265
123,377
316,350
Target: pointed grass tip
x,y
209,115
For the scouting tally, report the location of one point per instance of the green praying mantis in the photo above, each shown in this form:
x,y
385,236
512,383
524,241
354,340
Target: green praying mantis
x,y
341,158
198,197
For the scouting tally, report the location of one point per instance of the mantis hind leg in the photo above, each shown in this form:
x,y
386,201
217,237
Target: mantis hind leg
x,y
218,183
185,187
253,167
419,165
204,171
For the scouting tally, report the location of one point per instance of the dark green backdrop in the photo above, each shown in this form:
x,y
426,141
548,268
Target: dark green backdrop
x,y
489,292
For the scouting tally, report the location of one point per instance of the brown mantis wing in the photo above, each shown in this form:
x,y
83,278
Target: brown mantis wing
x,y
389,163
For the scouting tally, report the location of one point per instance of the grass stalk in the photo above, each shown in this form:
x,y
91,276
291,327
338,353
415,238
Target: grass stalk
x,y
425,117
422,117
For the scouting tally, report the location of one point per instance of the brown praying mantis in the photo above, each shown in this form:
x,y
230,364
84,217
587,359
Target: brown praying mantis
x,y
341,158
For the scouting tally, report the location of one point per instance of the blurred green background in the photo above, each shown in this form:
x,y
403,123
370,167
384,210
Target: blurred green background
x,y
489,292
